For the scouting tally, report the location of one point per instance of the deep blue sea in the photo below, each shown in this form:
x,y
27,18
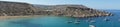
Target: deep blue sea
x,y
61,21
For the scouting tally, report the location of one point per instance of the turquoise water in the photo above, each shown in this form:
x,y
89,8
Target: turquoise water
x,y
60,21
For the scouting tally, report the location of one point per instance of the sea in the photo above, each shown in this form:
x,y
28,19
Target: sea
x,y
62,21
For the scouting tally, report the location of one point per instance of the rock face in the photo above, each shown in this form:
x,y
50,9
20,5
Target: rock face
x,y
15,9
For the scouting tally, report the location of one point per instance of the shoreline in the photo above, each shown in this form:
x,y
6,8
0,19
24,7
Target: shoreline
x,y
27,16
11,17
15,17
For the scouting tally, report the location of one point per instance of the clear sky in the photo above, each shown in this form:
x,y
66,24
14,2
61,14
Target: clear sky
x,y
97,4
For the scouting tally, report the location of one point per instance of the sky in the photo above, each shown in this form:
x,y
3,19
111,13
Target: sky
x,y
97,4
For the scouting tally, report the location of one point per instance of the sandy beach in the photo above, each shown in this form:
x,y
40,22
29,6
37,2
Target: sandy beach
x,y
11,17
14,17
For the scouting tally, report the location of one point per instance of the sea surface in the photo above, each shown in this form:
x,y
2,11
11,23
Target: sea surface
x,y
61,21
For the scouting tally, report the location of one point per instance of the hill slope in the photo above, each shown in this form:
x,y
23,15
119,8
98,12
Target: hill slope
x,y
71,10
18,9
15,8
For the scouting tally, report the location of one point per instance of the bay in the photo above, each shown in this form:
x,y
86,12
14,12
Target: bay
x,y
62,21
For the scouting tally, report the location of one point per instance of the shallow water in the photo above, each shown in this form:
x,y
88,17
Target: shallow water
x,y
60,21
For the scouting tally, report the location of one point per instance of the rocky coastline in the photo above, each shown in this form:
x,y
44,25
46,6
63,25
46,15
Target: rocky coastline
x,y
25,9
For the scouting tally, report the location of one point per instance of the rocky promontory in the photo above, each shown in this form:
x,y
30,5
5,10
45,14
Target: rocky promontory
x,y
73,11
23,9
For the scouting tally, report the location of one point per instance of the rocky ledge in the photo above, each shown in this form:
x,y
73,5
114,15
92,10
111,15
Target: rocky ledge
x,y
22,9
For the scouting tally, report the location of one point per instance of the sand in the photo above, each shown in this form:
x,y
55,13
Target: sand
x,y
11,17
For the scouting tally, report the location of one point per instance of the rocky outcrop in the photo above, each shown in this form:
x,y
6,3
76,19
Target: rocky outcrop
x,y
72,11
79,12
15,9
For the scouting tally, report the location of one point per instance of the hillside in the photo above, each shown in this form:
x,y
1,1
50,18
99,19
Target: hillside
x,y
72,11
22,9
15,9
